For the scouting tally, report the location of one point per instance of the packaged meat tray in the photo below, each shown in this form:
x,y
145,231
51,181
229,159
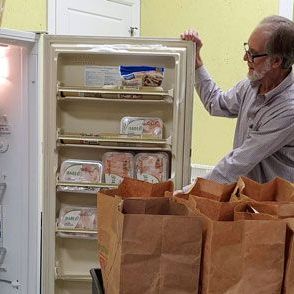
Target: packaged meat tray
x,y
144,126
81,171
77,218
116,166
152,167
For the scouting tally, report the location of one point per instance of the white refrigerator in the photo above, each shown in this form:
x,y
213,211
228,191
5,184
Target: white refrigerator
x,y
53,108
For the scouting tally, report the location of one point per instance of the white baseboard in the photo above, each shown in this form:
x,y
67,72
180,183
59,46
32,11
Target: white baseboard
x,y
199,170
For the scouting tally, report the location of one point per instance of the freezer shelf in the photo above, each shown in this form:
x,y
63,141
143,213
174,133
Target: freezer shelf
x,y
143,94
67,286
85,185
72,263
165,100
139,148
90,232
109,138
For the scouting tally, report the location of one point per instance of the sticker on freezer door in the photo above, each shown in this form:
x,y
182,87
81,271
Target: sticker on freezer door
x,y
99,76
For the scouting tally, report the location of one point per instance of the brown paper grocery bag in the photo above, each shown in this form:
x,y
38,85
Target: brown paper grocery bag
x,y
128,188
241,257
255,211
215,210
212,190
267,211
153,246
136,188
209,189
278,192
288,286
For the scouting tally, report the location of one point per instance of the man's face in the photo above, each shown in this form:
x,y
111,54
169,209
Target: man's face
x,y
261,66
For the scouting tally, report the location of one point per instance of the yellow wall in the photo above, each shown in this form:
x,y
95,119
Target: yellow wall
x,y
26,15
223,25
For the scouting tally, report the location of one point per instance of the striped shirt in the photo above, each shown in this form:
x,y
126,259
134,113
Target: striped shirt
x,y
264,136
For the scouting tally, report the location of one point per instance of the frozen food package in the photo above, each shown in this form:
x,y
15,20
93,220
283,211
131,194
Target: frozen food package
x,y
100,76
77,218
116,166
152,167
82,171
141,76
143,126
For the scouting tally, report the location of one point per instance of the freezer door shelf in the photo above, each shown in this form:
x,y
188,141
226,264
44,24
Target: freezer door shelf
x,y
141,95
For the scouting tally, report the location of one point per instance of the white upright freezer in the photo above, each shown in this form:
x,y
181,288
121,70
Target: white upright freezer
x,y
78,118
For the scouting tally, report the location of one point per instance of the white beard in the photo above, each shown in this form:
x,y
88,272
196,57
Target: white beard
x,y
258,75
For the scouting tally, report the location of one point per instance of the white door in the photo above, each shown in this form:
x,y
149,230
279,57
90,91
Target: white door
x,y
286,8
94,17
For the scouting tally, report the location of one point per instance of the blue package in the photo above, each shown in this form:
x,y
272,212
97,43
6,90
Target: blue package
x,y
130,75
126,69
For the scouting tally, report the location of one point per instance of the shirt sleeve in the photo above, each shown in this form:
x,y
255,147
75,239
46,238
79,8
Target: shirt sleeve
x,y
259,144
217,102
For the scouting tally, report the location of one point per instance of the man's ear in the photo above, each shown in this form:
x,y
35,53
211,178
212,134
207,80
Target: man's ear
x,y
277,61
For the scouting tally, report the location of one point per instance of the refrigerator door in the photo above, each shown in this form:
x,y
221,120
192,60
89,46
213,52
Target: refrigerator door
x,y
85,109
20,227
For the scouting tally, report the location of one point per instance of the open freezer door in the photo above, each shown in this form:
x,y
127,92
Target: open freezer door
x,y
19,177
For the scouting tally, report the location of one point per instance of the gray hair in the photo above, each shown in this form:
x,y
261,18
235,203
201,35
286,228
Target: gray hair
x,y
281,38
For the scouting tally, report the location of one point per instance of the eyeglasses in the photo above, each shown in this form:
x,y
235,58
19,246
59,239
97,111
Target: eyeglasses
x,y
252,56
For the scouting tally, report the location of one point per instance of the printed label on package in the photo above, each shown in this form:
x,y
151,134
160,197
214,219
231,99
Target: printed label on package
x,y
99,76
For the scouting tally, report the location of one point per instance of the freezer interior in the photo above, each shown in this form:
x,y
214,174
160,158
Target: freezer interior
x,y
84,123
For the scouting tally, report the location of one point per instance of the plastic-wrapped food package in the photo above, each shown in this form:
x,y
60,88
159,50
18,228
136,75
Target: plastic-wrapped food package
x,y
143,126
141,76
77,218
117,165
81,171
75,189
152,167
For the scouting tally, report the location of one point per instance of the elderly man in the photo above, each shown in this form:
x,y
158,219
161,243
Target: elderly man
x,y
263,105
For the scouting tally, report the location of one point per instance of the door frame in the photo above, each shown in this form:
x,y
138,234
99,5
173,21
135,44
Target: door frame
x,y
51,13
286,8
